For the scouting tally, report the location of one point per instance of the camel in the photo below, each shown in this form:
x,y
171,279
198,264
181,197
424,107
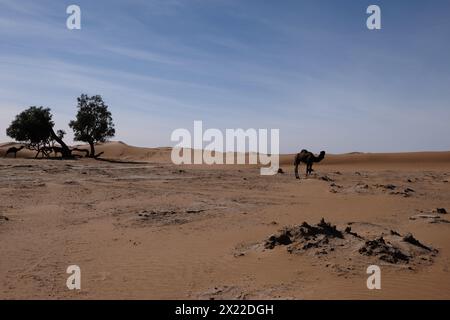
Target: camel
x,y
13,150
307,158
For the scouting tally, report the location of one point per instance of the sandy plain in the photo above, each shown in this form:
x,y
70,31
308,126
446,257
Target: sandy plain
x,y
143,228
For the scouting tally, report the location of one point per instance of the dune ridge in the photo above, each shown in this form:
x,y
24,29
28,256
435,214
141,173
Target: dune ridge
x,y
118,150
142,227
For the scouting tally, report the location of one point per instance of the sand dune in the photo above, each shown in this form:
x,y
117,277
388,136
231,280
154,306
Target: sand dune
x,y
118,150
151,229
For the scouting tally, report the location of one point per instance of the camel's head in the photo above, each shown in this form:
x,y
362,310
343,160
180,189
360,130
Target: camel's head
x,y
322,154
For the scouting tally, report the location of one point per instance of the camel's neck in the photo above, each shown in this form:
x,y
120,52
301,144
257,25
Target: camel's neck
x,y
319,158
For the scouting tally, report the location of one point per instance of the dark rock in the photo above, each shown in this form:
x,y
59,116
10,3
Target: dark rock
x,y
322,227
280,171
410,239
335,185
349,231
326,178
441,210
192,211
283,238
305,235
384,251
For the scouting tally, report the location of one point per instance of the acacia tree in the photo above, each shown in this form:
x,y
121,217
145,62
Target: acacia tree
x,y
93,121
34,127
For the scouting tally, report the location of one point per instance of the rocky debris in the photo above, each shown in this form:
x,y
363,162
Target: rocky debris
x,y
441,211
326,178
405,193
3,218
396,251
349,231
282,238
439,220
151,213
194,211
361,187
306,235
71,182
148,214
384,251
431,218
280,171
410,239
386,186
322,228
325,238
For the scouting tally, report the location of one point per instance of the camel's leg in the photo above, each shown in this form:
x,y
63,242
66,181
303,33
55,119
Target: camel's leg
x,y
296,170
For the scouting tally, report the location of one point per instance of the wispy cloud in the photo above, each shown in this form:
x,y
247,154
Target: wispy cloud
x,y
309,68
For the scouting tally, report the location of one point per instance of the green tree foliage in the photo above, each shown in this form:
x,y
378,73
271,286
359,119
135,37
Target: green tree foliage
x,y
93,121
34,127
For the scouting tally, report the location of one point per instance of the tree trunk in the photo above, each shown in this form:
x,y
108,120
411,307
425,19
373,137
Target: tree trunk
x,y
66,153
92,155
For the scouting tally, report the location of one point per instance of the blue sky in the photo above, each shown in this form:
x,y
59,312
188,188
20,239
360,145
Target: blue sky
x,y
309,68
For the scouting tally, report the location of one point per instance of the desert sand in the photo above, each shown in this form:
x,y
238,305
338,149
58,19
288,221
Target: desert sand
x,y
143,228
